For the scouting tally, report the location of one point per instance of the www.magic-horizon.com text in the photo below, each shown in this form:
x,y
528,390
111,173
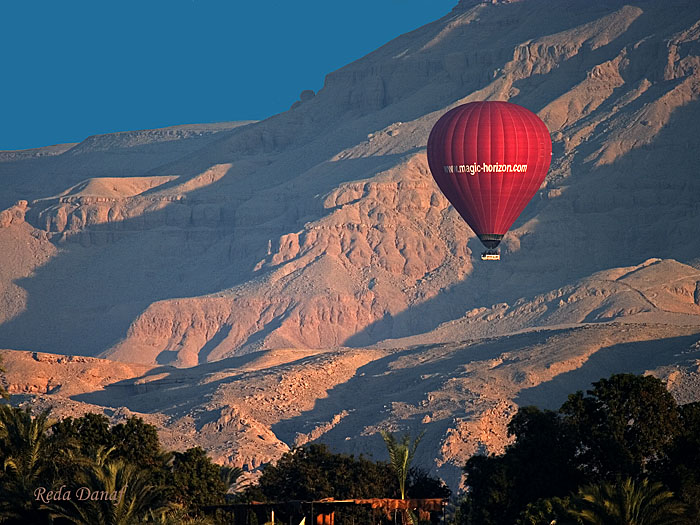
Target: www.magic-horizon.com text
x,y
474,168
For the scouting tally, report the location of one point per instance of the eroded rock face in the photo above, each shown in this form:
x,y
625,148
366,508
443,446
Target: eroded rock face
x,y
13,215
248,411
323,224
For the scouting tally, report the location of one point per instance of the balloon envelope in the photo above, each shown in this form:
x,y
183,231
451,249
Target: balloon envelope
x,y
489,159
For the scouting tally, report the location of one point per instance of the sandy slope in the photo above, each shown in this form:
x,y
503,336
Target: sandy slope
x,y
249,410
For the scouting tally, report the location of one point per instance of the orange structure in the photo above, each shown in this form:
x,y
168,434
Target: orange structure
x,y
322,512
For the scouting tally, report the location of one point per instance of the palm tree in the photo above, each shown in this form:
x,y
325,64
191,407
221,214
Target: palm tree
x,y
111,492
230,476
627,503
177,515
26,462
401,455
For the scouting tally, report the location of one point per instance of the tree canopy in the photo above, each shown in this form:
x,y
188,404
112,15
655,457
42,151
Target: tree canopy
x,y
314,472
89,454
627,427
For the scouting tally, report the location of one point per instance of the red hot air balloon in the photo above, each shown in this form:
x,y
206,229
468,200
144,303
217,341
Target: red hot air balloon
x,y
489,159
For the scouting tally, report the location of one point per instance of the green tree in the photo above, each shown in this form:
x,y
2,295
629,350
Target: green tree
x,y
626,425
313,472
26,458
681,472
539,464
137,442
549,511
133,441
89,432
76,438
400,456
196,480
86,457
627,503
543,457
491,489
420,484
125,495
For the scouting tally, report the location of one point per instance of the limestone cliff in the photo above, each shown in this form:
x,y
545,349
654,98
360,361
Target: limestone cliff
x,y
320,231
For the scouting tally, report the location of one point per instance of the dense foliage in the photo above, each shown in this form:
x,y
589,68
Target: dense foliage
x,y
196,481
625,436
624,452
72,471
67,461
313,472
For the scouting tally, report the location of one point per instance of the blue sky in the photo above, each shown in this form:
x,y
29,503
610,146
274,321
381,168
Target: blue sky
x,y
77,68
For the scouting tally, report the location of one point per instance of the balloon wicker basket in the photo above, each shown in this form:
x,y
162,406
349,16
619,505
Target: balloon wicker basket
x,y
491,255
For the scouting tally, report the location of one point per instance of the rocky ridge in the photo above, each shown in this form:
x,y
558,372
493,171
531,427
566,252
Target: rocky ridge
x,y
247,411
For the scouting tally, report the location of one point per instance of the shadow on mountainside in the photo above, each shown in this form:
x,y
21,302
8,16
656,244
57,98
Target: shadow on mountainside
x,y
177,392
84,300
105,275
538,90
641,206
414,398
51,175
405,377
630,358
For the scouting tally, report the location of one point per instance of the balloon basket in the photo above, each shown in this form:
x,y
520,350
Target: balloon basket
x,y
491,255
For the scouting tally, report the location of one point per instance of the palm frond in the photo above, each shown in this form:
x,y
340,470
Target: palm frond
x,y
628,502
400,456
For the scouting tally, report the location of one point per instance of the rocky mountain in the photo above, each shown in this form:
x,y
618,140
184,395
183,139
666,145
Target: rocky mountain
x,y
302,278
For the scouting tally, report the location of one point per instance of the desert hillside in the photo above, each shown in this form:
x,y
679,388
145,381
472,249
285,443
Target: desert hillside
x,y
248,410
265,284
